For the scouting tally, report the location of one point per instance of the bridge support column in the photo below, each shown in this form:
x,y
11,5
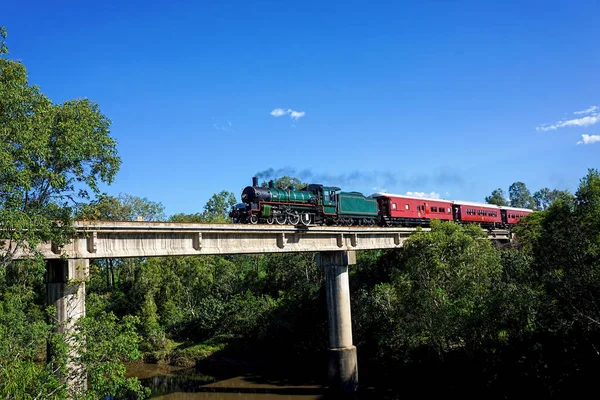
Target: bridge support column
x,y
343,367
65,288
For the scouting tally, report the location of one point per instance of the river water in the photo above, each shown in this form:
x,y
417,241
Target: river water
x,y
224,383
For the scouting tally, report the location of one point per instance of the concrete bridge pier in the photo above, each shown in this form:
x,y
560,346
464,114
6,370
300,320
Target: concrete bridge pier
x,y
65,289
343,367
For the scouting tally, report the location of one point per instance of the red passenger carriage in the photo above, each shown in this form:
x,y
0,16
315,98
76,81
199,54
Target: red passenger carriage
x,y
512,215
483,214
398,209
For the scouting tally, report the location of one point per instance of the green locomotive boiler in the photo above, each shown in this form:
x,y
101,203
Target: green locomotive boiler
x,y
313,204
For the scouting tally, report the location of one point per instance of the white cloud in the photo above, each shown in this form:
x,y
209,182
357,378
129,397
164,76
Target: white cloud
x,y
278,112
592,116
591,110
584,121
589,139
295,115
430,195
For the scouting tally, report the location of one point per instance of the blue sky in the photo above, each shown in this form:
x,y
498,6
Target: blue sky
x,y
456,98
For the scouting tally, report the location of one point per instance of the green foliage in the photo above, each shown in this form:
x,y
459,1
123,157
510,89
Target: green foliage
x,y
497,198
3,47
285,182
102,344
23,335
121,208
216,210
187,356
217,207
449,276
189,218
520,196
50,155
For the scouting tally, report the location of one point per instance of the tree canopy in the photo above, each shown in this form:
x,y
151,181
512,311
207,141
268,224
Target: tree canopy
x,y
124,207
51,157
285,182
497,198
216,210
520,196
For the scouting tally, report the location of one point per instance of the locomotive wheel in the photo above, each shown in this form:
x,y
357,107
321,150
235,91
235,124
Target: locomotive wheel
x,y
280,219
294,219
270,220
305,219
253,219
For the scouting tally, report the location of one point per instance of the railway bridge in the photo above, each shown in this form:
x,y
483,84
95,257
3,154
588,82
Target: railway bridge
x,y
68,266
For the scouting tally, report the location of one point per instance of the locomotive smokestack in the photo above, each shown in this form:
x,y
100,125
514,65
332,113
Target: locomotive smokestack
x,y
254,181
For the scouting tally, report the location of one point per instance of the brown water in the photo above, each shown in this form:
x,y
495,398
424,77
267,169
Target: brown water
x,y
222,383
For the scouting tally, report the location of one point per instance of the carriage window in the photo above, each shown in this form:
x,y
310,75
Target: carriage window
x,y
441,209
449,210
394,206
407,207
433,209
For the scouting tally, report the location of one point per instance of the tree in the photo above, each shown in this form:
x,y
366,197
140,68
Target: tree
x,y
544,197
51,155
447,282
3,48
216,210
497,198
101,343
122,208
520,196
285,182
218,206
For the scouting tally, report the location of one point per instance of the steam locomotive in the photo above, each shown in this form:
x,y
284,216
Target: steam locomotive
x,y
316,204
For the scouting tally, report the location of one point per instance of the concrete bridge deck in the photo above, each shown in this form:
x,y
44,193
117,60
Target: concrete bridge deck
x,y
110,239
